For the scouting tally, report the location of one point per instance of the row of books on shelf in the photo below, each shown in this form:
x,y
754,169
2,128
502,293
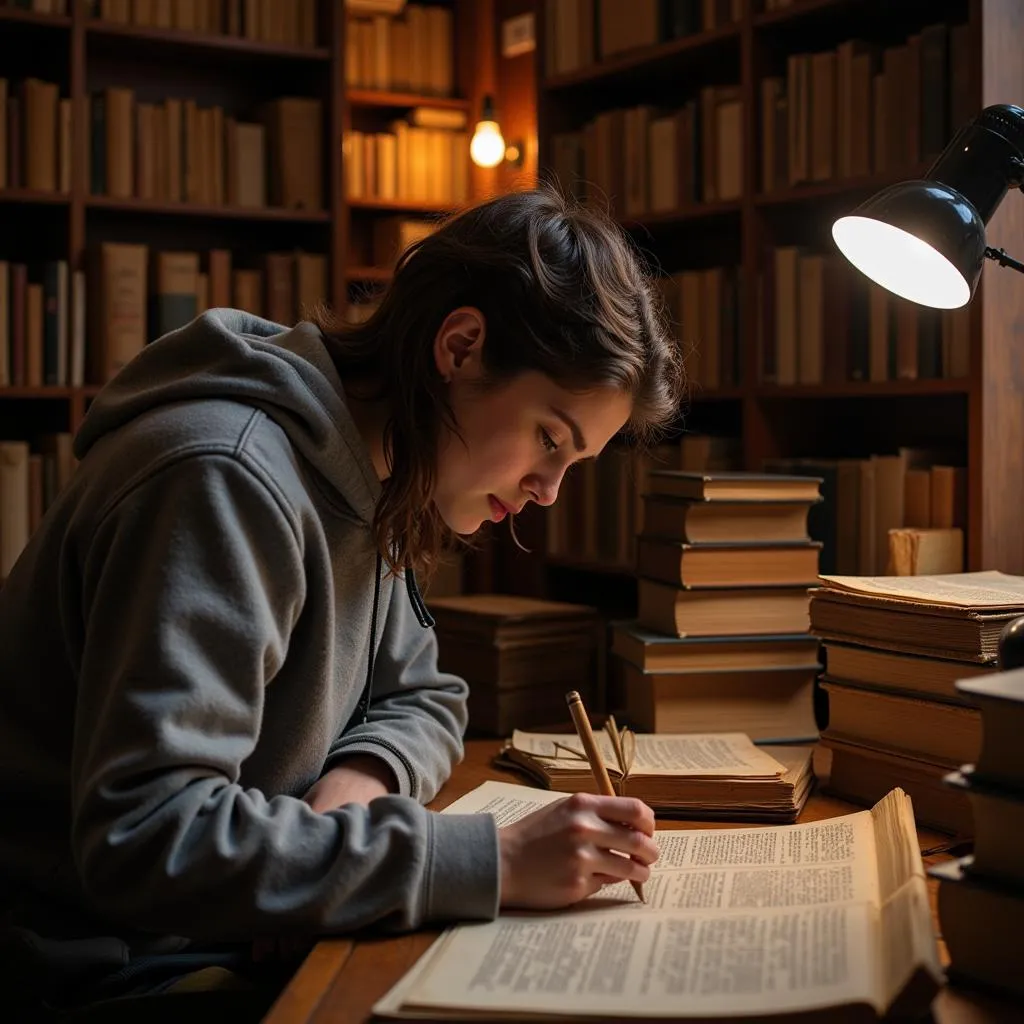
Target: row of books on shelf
x,y
863,108
42,324
866,499
408,53
30,478
643,160
580,33
387,238
179,151
35,136
821,322
134,296
601,507
868,504
291,22
703,307
408,163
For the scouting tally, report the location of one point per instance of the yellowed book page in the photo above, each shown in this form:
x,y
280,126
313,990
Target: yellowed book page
x,y
907,933
625,964
817,863
505,800
989,590
695,755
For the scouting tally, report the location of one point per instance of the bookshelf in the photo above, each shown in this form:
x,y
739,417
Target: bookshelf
x,y
206,53
977,412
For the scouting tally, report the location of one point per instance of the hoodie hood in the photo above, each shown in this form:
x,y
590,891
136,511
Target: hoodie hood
x,y
229,354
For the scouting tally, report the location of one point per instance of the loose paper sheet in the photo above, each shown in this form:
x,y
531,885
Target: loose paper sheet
x,y
990,589
691,754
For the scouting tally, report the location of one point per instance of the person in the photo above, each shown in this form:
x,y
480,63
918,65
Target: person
x,y
221,712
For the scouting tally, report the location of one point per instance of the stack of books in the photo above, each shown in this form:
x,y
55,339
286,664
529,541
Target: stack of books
x,y
894,649
981,896
721,641
519,655
718,776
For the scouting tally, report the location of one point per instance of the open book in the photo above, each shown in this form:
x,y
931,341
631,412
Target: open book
x,y
699,775
828,918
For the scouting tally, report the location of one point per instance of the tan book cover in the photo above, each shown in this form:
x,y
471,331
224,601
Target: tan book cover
x,y
120,112
310,283
15,512
39,111
219,274
278,273
119,330
727,564
721,611
248,291
922,551
775,705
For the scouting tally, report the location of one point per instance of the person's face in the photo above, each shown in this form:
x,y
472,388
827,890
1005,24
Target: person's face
x,y
518,439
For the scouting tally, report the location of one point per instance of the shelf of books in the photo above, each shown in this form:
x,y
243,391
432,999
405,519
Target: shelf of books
x,y
158,159
746,128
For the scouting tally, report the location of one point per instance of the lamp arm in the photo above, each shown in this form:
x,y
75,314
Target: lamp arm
x,y
1004,259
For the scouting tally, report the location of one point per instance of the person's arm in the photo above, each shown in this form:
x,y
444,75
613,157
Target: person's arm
x,y
192,583
417,715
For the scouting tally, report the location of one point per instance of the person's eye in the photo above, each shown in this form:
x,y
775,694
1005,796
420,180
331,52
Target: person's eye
x,y
548,441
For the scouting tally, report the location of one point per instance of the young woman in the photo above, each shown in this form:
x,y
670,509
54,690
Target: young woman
x,y
221,712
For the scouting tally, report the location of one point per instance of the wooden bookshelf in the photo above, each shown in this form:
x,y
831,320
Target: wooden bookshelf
x,y
30,195
214,69
54,21
86,55
403,100
174,40
368,274
980,413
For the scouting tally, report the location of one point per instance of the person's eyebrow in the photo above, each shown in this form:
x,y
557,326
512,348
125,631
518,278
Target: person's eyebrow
x,y
578,441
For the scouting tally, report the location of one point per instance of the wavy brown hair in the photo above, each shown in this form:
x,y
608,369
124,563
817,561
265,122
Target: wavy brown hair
x,y
563,291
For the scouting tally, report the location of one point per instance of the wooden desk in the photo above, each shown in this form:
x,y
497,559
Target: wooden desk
x,y
341,979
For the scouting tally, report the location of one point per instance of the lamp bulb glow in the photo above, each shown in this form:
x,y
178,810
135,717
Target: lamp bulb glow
x,y
900,262
487,148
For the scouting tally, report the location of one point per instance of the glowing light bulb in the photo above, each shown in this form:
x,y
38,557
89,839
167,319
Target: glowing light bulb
x,y
487,147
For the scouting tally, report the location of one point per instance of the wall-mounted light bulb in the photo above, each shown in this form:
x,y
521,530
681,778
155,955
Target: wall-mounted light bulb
x,y
487,147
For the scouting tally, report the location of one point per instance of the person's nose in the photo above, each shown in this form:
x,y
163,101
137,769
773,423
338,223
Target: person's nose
x,y
543,487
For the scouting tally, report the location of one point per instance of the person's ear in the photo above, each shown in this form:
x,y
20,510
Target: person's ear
x,y
459,343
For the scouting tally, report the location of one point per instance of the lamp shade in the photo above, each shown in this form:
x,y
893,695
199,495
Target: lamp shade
x,y
921,240
925,239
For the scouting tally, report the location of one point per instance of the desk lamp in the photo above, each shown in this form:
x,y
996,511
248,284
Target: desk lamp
x,y
925,240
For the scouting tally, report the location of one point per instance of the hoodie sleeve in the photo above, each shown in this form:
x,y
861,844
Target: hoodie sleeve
x,y
192,582
417,714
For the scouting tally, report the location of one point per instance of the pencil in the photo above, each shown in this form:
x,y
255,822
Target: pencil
x,y
604,783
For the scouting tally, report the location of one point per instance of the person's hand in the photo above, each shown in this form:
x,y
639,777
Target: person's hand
x,y
566,851
355,780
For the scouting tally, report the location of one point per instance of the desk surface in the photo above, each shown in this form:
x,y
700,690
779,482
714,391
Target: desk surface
x,y
341,979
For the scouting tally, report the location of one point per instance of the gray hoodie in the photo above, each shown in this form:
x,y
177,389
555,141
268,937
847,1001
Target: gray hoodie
x,y
183,647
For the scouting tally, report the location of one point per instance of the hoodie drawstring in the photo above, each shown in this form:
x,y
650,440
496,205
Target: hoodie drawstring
x,y
364,701
425,619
